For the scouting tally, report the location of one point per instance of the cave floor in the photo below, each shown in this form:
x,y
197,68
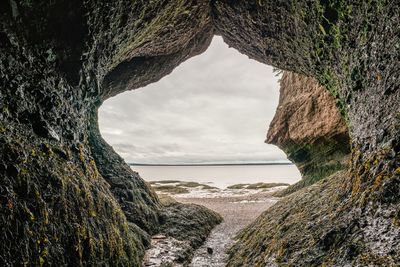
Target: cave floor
x,y
238,212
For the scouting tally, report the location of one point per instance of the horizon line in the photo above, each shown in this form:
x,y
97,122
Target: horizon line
x,y
209,164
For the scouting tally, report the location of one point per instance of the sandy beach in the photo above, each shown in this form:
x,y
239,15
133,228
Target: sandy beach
x,y
239,205
237,211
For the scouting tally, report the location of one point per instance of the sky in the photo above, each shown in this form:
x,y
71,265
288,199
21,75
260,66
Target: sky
x,y
213,108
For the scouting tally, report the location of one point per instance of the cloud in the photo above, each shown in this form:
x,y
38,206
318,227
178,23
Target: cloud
x,y
215,107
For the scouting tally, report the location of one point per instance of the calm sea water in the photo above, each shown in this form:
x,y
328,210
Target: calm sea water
x,y
222,176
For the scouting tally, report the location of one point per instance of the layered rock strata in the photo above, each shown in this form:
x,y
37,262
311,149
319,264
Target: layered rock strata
x,y
309,128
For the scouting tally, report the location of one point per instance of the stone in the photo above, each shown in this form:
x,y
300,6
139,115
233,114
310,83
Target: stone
x,y
309,128
158,237
57,67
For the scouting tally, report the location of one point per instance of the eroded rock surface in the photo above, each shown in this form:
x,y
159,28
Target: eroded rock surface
x,y
351,48
183,228
66,198
61,202
355,58
320,225
167,251
309,128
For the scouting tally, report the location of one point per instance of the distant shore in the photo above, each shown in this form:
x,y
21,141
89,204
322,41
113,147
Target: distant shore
x,y
221,176
211,164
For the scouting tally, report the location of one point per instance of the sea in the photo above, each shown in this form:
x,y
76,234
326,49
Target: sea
x,y
222,176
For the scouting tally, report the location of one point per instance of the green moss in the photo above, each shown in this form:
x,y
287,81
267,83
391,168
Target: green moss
x,y
171,189
164,182
166,199
337,37
190,184
99,216
149,30
3,129
331,83
318,173
30,215
81,153
317,160
334,18
178,187
256,186
322,29
188,222
237,186
41,261
310,221
48,150
195,184
6,111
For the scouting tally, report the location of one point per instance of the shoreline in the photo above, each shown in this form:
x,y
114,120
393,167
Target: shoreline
x,y
237,212
238,208
209,164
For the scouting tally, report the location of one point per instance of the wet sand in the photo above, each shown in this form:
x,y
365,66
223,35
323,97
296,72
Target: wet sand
x,y
238,212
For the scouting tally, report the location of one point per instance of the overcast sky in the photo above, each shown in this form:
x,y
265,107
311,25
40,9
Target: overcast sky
x,y
215,107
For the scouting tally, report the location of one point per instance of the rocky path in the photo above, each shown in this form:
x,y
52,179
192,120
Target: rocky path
x,y
237,213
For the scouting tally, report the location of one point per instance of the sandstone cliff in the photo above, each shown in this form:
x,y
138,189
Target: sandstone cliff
x,y
309,128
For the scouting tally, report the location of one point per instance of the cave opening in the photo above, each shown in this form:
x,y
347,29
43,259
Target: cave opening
x,y
197,135
69,199
213,109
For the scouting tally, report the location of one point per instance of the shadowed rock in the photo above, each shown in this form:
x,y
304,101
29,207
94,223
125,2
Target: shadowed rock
x,y
66,197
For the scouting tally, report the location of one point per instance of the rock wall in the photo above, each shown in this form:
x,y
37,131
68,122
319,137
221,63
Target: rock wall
x,y
310,129
61,203
336,43
351,48
66,197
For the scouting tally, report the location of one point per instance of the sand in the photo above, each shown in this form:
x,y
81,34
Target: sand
x,y
238,212
238,207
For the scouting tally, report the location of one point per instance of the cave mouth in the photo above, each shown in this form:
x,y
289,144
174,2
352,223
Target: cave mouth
x,y
197,135
69,199
213,109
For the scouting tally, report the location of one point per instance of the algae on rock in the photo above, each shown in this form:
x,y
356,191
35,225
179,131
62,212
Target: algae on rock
x,y
66,197
351,48
61,203
308,127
